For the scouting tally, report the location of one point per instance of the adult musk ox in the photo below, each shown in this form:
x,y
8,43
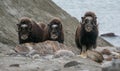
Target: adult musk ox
x,y
55,30
87,33
29,31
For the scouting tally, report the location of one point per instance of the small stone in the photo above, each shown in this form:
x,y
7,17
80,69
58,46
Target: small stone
x,y
71,63
108,35
31,53
109,58
14,65
106,51
64,53
36,56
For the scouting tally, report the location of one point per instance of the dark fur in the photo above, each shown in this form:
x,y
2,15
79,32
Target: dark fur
x,y
87,39
35,33
45,30
59,30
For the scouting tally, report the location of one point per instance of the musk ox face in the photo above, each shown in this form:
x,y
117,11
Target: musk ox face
x,y
24,29
89,23
54,31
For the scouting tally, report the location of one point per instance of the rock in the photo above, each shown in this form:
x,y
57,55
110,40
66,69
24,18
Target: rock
x,y
108,57
63,53
71,63
14,65
53,64
36,56
115,66
106,51
95,56
47,47
31,53
108,35
101,42
21,48
115,55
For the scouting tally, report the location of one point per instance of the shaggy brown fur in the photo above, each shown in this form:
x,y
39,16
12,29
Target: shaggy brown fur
x,y
55,30
87,32
43,25
45,30
29,31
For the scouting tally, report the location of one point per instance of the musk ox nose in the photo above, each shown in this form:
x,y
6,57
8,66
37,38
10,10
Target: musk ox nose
x,y
88,27
54,32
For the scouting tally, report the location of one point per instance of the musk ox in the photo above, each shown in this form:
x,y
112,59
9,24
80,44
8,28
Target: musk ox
x,y
45,30
87,33
29,31
55,30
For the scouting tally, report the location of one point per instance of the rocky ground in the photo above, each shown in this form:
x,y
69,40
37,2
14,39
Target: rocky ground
x,y
53,56
46,56
15,57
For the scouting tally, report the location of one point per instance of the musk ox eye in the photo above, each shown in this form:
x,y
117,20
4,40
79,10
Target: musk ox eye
x,y
86,21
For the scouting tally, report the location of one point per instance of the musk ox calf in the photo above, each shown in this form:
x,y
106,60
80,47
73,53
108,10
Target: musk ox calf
x,y
30,31
55,30
87,33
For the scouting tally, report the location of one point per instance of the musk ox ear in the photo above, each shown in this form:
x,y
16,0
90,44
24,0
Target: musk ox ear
x,y
82,22
95,18
18,28
95,22
48,25
82,18
17,24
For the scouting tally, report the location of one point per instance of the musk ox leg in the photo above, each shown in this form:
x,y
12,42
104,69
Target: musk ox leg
x,y
60,41
83,53
94,46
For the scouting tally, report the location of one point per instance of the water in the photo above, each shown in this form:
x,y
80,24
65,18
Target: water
x,y
113,40
107,11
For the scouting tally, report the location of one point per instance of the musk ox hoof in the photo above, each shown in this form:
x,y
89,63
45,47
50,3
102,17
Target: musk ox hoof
x,y
84,55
